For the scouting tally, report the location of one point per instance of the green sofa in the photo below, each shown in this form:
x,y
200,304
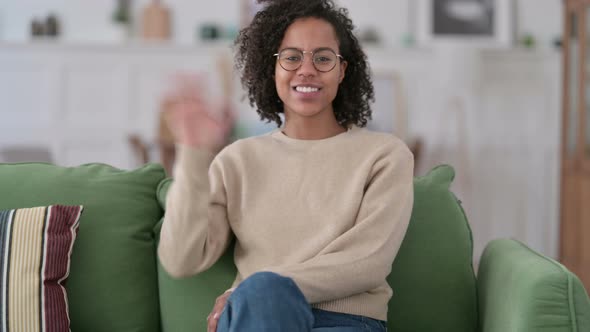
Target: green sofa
x,y
116,283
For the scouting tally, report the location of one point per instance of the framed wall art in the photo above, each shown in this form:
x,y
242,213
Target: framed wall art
x,y
480,22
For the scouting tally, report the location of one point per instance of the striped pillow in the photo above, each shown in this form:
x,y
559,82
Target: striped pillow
x,y
35,248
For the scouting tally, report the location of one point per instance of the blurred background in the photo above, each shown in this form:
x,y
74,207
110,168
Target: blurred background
x,y
474,83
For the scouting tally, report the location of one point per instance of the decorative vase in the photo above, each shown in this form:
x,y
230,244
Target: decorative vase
x,y
155,21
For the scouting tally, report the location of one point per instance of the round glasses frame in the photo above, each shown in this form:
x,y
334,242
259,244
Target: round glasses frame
x,y
278,56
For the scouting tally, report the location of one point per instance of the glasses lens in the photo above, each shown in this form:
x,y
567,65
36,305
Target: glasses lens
x,y
290,59
324,60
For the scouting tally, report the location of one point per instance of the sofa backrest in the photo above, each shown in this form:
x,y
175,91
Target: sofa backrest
x,y
432,277
113,283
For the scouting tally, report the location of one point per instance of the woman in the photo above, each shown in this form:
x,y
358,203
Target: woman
x,y
318,207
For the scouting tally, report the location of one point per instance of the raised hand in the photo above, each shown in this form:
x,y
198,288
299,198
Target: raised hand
x,y
195,121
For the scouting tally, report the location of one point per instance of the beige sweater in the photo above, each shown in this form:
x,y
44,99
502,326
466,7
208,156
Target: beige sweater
x,y
330,214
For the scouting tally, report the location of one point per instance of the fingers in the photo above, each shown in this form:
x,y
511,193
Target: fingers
x,y
213,317
192,111
189,95
188,82
176,98
212,323
193,118
186,109
185,87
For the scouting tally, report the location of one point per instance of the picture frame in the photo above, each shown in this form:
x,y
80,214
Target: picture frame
x,y
487,23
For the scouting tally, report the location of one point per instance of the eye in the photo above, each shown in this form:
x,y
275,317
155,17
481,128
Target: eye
x,y
293,58
323,59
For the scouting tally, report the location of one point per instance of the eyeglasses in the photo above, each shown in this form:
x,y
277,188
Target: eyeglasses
x,y
324,59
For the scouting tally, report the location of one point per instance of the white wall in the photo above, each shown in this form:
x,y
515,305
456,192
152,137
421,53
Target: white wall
x,y
90,20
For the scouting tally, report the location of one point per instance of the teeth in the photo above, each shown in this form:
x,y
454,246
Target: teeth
x,y
306,89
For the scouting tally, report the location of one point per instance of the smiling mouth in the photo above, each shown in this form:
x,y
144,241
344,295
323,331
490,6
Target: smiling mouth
x,y
306,89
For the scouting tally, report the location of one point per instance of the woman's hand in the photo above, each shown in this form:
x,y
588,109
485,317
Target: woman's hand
x,y
213,317
193,121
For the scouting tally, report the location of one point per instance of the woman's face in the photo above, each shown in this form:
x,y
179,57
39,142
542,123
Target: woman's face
x,y
307,91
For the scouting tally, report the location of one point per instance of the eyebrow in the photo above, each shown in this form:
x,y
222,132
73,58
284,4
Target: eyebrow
x,y
314,50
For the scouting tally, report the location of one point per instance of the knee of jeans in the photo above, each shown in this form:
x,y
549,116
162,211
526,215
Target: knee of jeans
x,y
267,282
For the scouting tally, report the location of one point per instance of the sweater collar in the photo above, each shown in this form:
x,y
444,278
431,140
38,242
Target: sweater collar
x,y
278,134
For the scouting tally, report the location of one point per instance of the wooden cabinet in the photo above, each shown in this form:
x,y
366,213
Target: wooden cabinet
x,y
575,145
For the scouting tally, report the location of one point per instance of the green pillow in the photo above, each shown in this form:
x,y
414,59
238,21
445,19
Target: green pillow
x,y
544,295
432,278
113,282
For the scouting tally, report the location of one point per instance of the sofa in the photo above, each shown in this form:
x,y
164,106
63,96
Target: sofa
x,y
116,283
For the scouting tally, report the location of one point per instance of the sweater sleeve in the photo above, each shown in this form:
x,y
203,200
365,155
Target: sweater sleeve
x,y
196,230
360,259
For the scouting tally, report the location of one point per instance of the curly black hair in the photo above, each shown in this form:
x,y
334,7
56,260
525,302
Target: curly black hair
x,y
257,42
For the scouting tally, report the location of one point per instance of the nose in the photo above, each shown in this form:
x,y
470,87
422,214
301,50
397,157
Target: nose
x,y
307,68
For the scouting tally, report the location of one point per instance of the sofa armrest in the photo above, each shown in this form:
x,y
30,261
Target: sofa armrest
x,y
521,290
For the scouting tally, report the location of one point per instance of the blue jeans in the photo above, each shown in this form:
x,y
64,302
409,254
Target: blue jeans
x,y
268,302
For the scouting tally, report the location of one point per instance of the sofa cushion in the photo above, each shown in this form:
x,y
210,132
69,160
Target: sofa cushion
x,y
35,248
432,276
113,279
544,295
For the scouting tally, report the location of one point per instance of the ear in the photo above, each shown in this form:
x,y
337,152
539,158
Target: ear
x,y
343,67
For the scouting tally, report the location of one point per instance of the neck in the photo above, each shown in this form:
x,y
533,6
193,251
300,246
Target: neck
x,y
312,128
